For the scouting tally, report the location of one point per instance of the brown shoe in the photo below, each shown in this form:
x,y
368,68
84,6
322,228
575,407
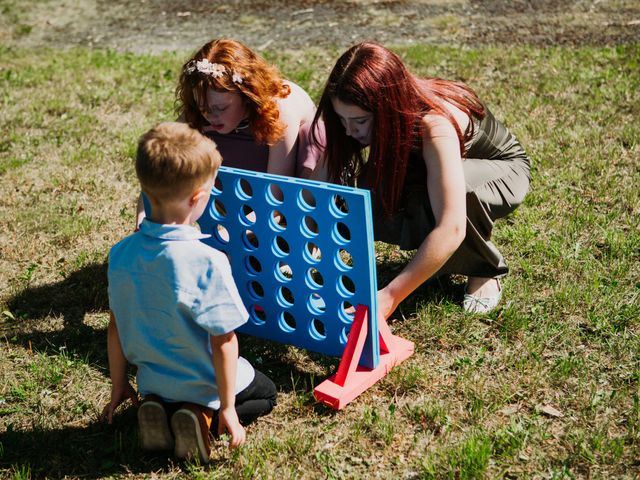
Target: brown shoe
x,y
190,426
153,425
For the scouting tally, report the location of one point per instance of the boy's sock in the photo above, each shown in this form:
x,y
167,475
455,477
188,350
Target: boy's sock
x,y
190,426
153,425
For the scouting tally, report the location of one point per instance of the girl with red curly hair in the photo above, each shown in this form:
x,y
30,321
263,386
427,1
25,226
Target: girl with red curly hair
x,y
234,96
440,166
258,120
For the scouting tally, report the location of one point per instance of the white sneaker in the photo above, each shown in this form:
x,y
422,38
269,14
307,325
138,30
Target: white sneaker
x,y
474,304
154,427
191,426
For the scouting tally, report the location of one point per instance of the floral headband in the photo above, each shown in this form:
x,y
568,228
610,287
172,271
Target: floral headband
x,y
214,69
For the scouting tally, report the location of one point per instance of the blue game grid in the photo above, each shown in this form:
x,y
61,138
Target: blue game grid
x,y
302,255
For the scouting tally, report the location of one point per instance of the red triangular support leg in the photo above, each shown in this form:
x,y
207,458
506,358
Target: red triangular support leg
x,y
351,379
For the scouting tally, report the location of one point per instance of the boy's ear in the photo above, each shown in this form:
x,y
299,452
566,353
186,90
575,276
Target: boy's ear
x,y
196,196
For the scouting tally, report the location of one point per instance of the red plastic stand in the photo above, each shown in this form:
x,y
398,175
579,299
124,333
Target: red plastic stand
x,y
352,379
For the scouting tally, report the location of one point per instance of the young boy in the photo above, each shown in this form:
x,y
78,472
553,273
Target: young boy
x,y
175,306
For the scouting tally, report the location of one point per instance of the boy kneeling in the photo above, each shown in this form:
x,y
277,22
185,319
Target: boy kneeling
x,y
175,307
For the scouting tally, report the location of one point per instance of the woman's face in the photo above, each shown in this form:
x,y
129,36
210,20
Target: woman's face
x,y
356,121
225,110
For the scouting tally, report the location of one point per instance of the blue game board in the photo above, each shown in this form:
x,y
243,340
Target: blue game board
x,y
302,255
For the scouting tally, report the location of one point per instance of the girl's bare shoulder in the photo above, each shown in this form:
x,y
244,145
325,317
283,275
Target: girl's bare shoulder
x,y
297,103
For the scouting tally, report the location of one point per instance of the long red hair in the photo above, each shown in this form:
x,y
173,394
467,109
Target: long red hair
x,y
261,86
373,78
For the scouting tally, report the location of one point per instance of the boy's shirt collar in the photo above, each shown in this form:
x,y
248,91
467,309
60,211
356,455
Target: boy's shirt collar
x,y
170,232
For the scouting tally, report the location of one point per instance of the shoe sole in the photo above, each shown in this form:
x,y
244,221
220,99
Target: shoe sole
x,y
188,437
154,427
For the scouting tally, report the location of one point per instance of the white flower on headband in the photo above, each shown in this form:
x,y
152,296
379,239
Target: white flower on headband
x,y
236,77
214,69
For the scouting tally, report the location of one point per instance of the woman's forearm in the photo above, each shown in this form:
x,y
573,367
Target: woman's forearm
x,y
432,254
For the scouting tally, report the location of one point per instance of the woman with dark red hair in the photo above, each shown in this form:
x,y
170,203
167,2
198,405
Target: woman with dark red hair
x,y
440,167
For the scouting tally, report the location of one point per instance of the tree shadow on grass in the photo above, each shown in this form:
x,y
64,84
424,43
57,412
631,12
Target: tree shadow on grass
x,y
94,451
83,291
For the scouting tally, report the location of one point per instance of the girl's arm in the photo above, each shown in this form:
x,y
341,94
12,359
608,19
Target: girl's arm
x,y
295,110
447,194
225,363
121,389
320,172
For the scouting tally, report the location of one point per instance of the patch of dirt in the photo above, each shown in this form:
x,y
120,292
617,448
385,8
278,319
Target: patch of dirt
x,y
157,25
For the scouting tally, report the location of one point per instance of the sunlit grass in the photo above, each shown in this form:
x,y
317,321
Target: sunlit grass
x,y
547,386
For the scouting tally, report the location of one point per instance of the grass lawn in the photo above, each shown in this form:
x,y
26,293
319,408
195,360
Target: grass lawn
x,y
545,387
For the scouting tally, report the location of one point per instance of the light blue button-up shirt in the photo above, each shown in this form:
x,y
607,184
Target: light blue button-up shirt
x,y
169,292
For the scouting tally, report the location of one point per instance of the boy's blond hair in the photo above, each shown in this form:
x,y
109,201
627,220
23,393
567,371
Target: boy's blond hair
x,y
173,160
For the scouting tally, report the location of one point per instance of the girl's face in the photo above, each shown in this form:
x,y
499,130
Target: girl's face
x,y
225,110
356,121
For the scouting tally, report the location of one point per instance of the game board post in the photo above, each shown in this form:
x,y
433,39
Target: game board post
x,y
351,379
